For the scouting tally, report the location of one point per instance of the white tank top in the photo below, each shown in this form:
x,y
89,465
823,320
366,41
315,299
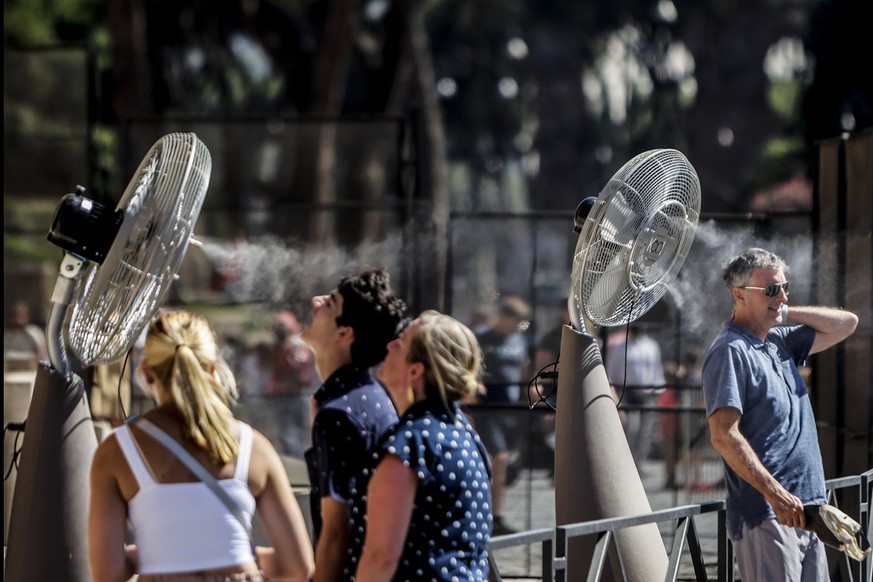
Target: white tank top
x,y
184,527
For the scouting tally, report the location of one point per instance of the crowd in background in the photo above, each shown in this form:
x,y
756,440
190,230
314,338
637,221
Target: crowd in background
x,y
277,376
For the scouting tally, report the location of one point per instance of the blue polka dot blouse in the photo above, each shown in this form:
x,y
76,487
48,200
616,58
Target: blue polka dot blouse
x,y
451,518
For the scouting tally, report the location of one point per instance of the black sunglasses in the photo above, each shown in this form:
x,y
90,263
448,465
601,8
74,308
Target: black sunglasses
x,y
771,290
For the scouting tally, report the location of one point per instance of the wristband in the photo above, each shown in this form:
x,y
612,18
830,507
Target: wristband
x,y
784,312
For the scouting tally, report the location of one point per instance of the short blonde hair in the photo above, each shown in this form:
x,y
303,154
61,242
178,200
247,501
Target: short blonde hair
x,y
515,306
451,356
181,349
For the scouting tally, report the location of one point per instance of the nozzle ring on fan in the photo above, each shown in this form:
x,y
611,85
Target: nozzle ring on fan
x,y
654,243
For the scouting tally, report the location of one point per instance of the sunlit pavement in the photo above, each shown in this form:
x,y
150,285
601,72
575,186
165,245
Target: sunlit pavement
x,y
530,504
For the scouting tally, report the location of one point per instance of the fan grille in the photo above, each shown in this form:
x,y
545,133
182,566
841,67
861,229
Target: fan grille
x,y
635,238
160,205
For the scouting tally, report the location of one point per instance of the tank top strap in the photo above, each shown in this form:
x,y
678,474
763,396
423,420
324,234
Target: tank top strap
x,y
132,454
241,473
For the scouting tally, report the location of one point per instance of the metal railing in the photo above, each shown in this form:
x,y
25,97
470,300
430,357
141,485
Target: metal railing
x,y
555,541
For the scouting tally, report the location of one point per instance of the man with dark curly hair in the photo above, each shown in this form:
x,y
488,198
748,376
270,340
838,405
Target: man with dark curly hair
x,y
349,333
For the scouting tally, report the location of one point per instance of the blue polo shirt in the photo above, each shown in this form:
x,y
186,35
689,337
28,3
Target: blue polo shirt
x,y
761,380
354,413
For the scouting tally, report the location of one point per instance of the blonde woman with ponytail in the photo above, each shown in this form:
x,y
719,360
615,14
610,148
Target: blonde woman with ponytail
x,y
429,499
182,531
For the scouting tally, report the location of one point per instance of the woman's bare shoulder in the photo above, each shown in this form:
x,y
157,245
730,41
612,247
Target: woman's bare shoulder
x,y
107,455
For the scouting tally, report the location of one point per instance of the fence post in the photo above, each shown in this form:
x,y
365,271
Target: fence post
x,y
560,554
725,550
865,517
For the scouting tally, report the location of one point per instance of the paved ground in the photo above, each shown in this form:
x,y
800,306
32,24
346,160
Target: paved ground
x,y
530,503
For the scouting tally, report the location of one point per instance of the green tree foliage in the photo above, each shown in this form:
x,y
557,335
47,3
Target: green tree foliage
x,y
541,100
39,22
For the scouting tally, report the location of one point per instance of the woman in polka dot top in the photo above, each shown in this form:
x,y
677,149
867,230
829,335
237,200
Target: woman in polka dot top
x,y
429,500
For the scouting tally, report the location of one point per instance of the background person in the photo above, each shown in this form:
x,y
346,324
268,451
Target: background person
x,y
428,510
182,529
541,446
505,353
291,380
350,329
23,339
761,420
682,434
546,356
636,371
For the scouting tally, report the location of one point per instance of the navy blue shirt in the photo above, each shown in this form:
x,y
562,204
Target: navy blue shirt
x,y
761,380
451,516
354,413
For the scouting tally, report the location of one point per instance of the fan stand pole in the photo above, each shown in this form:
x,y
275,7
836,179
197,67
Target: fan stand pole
x,y
595,475
48,528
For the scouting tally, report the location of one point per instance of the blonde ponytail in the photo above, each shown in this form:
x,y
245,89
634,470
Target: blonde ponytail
x,y
182,351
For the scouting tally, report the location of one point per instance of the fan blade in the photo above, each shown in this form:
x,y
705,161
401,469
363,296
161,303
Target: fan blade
x,y
160,205
635,239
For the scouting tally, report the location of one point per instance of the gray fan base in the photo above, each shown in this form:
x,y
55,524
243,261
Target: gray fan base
x,y
595,475
48,529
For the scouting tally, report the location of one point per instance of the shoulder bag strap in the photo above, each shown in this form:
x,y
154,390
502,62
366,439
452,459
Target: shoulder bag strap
x,y
200,471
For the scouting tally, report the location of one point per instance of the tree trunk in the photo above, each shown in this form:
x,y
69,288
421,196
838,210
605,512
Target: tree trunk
x,y
432,231
331,72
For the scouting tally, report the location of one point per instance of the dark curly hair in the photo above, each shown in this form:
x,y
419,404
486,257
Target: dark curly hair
x,y
373,312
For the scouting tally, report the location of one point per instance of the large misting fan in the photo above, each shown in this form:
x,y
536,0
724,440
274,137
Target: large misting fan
x,y
633,240
117,268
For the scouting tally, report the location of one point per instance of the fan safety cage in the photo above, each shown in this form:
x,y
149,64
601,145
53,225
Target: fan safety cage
x,y
160,205
635,238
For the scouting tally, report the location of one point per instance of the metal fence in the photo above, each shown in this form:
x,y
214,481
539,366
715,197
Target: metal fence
x,y
690,558
529,496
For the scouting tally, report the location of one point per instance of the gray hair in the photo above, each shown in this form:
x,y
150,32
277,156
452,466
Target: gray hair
x,y
739,269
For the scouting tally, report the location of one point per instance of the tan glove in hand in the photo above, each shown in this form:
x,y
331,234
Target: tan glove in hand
x,y
836,529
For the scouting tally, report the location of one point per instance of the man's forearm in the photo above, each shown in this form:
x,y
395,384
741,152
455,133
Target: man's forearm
x,y
330,555
823,319
831,325
737,452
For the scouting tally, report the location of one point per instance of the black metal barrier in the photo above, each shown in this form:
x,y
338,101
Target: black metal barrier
x,y
856,491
